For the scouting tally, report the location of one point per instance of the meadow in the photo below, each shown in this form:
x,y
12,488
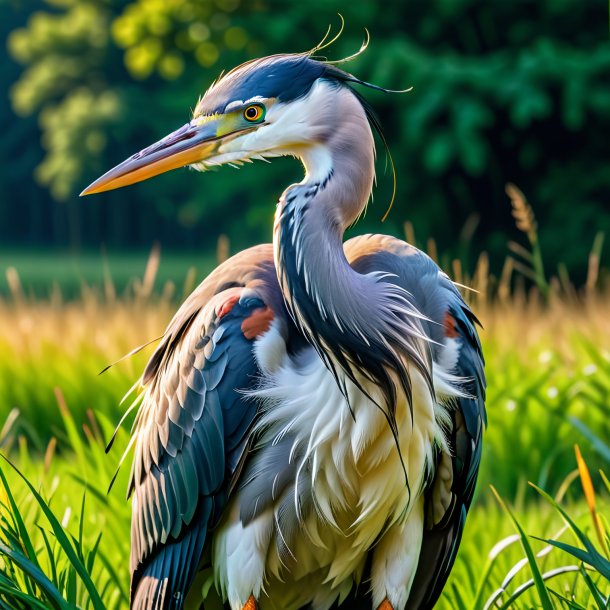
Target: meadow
x,y
538,532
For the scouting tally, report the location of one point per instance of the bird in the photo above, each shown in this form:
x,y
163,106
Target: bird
x,y
309,428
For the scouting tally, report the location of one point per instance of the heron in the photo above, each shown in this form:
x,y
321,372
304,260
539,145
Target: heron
x,y
309,427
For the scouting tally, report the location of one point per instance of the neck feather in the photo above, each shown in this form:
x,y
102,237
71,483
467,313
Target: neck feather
x,y
363,326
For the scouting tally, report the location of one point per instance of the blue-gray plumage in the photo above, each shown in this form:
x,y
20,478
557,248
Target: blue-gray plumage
x,y
285,77
310,425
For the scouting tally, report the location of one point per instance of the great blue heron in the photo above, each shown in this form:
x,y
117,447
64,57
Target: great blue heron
x,y
310,425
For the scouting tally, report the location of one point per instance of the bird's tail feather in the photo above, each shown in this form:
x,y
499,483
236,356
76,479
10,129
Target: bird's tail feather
x,y
164,582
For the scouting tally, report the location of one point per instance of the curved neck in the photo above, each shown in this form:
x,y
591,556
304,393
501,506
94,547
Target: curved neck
x,y
363,326
358,323
343,166
312,216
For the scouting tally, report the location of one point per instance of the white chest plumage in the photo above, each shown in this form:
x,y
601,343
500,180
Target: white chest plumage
x,y
357,483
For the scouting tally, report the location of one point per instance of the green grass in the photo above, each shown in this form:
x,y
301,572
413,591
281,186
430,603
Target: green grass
x,y
52,519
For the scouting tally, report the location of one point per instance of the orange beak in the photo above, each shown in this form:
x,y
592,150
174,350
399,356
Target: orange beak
x,y
189,144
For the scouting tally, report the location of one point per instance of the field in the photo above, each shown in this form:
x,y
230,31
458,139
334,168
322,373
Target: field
x,y
548,368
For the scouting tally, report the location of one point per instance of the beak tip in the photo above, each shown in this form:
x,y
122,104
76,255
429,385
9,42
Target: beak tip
x,y
92,189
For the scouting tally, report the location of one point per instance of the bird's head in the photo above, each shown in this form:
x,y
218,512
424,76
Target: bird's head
x,y
277,105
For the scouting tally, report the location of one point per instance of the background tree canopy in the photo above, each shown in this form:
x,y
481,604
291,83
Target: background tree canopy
x,y
503,91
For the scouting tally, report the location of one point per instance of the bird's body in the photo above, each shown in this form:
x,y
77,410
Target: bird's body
x,y
323,485
310,427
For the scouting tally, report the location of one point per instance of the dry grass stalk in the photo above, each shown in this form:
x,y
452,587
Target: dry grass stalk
x,y
526,222
505,280
409,232
469,228
568,291
190,281
150,273
432,250
458,276
109,288
522,212
481,278
594,259
223,249
5,432
49,454
169,289
592,273
14,284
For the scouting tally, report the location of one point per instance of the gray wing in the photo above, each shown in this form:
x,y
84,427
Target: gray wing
x,y
193,427
437,298
442,539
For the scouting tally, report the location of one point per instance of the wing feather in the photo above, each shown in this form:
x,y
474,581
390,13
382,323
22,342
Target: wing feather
x,y
442,539
180,463
191,431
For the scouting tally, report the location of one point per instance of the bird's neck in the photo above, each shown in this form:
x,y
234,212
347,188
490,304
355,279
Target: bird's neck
x,y
321,290
318,284
331,303
363,326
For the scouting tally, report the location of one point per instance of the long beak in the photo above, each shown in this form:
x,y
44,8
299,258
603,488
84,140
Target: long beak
x,y
189,144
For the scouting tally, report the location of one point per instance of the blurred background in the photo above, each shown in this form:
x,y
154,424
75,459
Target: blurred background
x,y
509,91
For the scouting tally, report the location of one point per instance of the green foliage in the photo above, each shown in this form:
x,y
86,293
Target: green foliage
x,y
52,553
163,36
65,54
502,92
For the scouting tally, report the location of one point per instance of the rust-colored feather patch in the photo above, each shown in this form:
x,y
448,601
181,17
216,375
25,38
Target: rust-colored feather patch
x,y
257,323
450,327
227,306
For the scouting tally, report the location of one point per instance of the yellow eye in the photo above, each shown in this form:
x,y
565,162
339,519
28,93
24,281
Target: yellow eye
x,y
254,113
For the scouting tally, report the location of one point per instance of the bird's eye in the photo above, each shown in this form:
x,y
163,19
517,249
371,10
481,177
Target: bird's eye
x,y
254,113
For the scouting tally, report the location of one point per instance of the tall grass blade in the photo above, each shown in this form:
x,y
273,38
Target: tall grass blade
x,y
605,480
508,604
50,555
543,594
597,443
595,592
29,603
37,575
64,542
18,522
589,492
590,554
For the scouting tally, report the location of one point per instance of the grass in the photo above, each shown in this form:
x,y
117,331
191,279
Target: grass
x,y
54,511
56,532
